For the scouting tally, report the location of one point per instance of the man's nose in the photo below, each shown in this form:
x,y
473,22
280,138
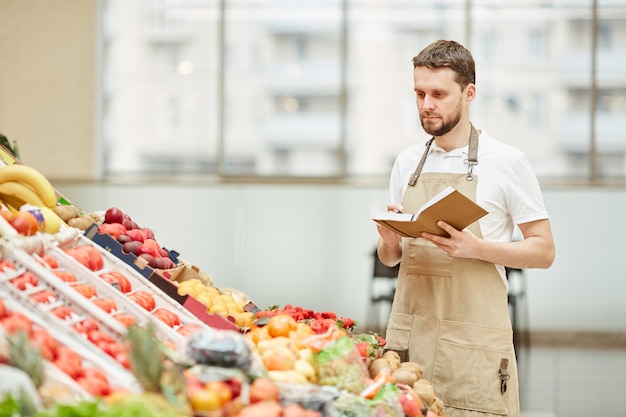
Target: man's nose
x,y
427,102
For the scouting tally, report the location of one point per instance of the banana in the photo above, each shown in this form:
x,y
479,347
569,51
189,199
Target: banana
x,y
13,203
22,192
31,177
52,222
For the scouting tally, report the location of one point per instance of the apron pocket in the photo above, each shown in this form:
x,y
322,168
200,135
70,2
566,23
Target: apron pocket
x,y
428,260
467,372
398,332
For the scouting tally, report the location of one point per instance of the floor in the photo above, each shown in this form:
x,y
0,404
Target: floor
x,y
566,381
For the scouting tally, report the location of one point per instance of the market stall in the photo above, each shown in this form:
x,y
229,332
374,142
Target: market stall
x,y
98,318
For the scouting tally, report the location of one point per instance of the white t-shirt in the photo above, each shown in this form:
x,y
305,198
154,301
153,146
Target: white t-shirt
x,y
507,186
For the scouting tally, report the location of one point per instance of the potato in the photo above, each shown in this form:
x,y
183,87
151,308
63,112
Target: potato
x,y
437,407
377,365
414,367
393,358
404,376
425,391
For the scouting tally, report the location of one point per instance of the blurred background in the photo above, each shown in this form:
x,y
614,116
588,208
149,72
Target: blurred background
x,y
256,137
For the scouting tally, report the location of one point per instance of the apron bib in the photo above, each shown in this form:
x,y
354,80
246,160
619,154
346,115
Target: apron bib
x,y
450,315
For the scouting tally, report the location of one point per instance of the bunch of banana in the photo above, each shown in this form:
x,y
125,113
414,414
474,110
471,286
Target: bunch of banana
x,y
21,184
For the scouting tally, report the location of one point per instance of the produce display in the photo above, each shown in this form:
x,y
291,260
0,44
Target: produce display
x,y
104,321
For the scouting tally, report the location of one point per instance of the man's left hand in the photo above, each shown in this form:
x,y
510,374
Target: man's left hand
x,y
460,244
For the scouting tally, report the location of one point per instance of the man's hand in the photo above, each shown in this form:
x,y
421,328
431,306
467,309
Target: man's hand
x,y
460,244
389,246
536,250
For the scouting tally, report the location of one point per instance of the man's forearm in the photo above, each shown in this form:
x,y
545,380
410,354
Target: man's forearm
x,y
389,255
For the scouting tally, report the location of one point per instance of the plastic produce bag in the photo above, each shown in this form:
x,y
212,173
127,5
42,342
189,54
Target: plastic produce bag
x,y
222,348
341,365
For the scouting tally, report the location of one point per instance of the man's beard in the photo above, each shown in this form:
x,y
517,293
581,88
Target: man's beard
x,y
446,125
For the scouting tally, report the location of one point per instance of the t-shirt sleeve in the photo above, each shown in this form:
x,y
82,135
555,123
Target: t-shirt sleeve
x,y
525,199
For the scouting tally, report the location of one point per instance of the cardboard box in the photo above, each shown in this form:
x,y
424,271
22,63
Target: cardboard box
x,y
194,306
109,243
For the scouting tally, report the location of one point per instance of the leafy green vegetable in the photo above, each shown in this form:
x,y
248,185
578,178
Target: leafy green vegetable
x,y
84,408
9,406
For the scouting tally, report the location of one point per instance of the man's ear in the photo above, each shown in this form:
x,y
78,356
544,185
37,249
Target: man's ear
x,y
470,92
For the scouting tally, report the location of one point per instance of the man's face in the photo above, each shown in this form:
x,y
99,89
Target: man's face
x,y
439,99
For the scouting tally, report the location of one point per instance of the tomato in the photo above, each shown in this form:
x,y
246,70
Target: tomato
x,y
68,368
68,361
97,337
89,325
167,317
47,261
144,299
123,359
63,312
106,304
119,279
65,276
114,348
79,256
88,256
188,328
94,386
126,319
44,297
6,265
25,280
45,341
86,290
281,325
91,373
14,321
96,262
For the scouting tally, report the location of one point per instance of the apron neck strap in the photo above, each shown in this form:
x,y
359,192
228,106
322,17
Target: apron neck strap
x,y
472,157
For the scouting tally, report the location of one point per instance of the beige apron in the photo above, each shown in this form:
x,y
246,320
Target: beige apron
x,y
450,315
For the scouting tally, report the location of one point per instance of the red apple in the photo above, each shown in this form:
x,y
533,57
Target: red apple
x,y
148,232
113,229
127,222
113,215
136,234
151,247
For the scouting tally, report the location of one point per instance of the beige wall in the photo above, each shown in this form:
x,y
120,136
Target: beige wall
x,y
48,84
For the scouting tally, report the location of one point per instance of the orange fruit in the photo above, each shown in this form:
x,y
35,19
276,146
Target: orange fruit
x,y
256,334
204,400
281,325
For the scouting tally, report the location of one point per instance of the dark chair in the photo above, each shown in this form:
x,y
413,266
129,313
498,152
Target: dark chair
x,y
382,290
517,305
